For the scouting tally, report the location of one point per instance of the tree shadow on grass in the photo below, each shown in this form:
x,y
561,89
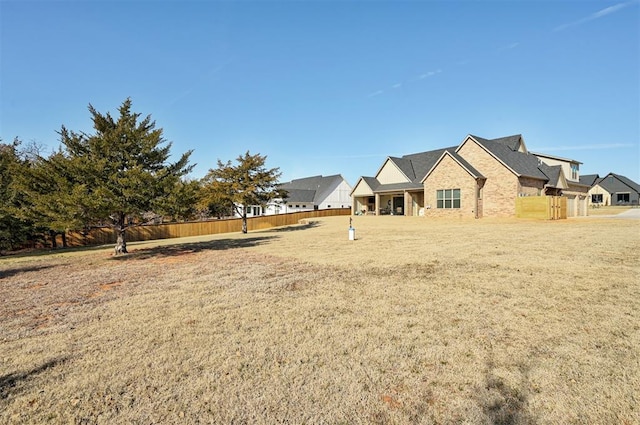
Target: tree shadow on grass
x,y
180,249
503,404
17,270
13,381
294,228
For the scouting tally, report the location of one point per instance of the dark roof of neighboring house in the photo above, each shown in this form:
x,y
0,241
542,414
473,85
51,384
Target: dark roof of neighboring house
x,y
311,189
300,195
589,179
615,183
633,185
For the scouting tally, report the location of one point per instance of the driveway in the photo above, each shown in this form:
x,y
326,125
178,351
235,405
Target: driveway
x,y
632,214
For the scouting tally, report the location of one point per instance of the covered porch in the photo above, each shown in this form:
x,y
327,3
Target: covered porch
x,y
405,202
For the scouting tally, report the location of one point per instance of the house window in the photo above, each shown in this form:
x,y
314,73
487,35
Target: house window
x,y
596,198
574,171
448,198
622,198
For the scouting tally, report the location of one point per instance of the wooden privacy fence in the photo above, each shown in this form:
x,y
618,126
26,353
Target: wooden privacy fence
x,y
106,235
542,207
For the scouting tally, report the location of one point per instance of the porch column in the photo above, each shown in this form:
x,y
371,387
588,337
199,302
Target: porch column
x,y
377,211
408,205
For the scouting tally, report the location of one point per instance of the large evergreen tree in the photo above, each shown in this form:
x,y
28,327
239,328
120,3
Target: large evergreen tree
x,y
240,186
15,229
118,173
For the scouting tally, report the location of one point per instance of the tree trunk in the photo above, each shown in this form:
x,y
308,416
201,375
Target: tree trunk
x,y
53,235
121,240
244,222
64,240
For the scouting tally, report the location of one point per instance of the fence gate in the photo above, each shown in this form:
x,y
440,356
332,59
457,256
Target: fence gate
x,y
557,207
542,207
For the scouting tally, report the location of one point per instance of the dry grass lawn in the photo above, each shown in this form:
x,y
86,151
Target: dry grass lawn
x,y
417,321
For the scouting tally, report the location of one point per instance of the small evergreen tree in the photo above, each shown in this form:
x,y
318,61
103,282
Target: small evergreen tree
x,y
239,186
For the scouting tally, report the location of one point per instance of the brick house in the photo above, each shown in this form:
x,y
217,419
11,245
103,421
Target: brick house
x,y
477,178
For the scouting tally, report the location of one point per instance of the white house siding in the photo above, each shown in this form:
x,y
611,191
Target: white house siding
x,y
566,165
339,198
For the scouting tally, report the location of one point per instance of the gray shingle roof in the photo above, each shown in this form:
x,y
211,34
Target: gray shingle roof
x,y
633,185
589,179
505,149
327,185
468,166
300,195
416,166
521,163
398,186
615,183
552,172
423,162
512,142
311,189
405,166
372,182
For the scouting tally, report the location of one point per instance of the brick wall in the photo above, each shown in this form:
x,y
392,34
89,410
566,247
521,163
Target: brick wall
x,y
450,175
530,187
501,187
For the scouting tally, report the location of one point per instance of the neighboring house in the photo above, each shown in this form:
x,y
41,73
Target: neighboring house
x,y
308,194
612,189
477,178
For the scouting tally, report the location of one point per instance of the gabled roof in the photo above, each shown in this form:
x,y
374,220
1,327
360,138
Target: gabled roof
x,y
555,175
514,142
633,185
372,182
589,179
615,183
423,162
311,189
413,166
522,164
300,195
460,160
365,181
510,151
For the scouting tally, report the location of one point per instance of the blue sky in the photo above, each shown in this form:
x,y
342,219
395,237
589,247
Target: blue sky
x,y
328,87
